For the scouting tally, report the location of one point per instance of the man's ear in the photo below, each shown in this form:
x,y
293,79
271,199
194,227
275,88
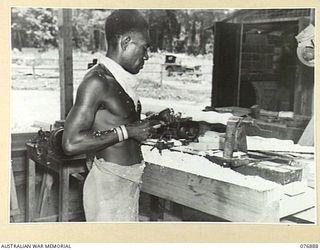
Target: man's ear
x,y
125,40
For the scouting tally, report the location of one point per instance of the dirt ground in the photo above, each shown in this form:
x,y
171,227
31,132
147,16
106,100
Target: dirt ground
x,y
35,84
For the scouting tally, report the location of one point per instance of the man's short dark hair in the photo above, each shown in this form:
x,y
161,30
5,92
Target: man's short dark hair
x,y
123,21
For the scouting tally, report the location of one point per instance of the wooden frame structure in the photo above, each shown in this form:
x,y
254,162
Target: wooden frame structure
x,y
65,61
227,74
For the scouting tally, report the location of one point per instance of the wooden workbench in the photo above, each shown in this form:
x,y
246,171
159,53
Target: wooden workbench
x,y
50,163
222,199
218,198
234,195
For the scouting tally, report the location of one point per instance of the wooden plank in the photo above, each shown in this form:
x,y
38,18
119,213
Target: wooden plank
x,y
54,218
14,205
30,190
278,173
308,215
20,178
226,200
65,61
154,208
20,139
307,138
17,152
18,164
63,194
45,193
293,204
239,66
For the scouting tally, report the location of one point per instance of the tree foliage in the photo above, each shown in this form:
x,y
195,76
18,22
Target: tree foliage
x,y
85,22
34,27
173,30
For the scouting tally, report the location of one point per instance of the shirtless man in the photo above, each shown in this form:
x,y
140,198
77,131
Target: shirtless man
x,y
105,122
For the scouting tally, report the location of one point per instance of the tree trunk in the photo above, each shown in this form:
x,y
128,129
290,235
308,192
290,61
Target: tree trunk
x,y
202,39
193,36
170,37
19,41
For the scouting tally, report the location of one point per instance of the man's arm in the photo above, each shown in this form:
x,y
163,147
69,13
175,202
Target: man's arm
x,y
78,136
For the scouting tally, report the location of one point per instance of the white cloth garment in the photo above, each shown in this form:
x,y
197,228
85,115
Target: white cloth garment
x,y
127,80
111,191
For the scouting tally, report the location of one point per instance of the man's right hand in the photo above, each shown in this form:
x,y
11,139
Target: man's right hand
x,y
142,130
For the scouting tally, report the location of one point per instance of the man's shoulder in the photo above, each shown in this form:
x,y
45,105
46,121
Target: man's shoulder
x,y
99,71
97,81
99,74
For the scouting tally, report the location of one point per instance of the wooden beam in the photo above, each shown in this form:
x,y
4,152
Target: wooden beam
x,y
30,190
276,172
292,205
54,218
312,16
225,200
14,205
239,67
65,61
18,140
307,216
64,194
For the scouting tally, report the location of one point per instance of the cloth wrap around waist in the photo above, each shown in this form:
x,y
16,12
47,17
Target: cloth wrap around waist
x,y
111,191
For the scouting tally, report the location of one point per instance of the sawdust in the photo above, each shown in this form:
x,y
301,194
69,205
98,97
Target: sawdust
x,y
214,139
274,144
203,167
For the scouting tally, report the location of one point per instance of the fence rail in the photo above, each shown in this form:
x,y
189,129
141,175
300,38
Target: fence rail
x,y
34,67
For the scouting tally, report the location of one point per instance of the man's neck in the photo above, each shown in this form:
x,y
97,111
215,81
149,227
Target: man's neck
x,y
114,57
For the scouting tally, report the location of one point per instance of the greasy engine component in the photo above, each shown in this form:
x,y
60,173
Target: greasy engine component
x,y
41,144
174,126
161,145
179,129
166,116
188,130
49,142
55,141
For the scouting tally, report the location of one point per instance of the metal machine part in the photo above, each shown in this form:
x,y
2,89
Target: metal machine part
x,y
174,127
55,141
49,142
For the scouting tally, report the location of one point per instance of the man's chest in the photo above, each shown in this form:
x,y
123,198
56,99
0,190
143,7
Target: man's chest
x,y
118,107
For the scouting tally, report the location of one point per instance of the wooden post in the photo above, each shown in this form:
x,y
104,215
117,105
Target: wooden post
x,y
65,61
63,193
154,207
312,16
239,67
30,189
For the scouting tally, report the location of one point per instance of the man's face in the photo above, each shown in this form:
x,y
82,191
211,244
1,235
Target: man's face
x,y
136,52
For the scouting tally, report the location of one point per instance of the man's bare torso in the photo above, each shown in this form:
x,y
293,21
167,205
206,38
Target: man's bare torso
x,y
116,108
